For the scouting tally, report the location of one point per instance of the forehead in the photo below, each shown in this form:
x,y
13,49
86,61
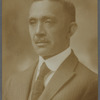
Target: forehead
x,y
43,8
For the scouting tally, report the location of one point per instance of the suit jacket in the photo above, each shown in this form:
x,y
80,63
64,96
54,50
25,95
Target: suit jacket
x,y
72,81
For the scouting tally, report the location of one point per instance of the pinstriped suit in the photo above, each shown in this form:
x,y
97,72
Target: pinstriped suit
x,y
72,81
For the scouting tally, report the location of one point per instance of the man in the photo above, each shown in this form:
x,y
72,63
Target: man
x,y
51,24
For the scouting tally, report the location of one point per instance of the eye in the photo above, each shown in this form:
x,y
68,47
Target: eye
x,y
32,22
48,21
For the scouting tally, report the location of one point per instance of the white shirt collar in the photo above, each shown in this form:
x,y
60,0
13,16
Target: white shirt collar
x,y
54,62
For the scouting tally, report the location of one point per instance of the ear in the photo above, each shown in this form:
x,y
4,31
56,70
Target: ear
x,y
72,28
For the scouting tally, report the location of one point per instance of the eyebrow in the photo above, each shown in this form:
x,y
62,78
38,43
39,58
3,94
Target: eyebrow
x,y
43,18
48,17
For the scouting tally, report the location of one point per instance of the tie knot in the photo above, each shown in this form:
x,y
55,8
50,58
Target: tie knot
x,y
43,71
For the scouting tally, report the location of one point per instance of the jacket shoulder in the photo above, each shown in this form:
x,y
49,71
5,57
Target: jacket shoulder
x,y
18,83
85,71
85,76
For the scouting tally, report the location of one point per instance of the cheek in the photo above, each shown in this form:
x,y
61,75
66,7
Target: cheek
x,y
57,34
58,39
31,31
54,38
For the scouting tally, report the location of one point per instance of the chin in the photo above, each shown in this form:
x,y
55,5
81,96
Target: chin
x,y
42,52
45,54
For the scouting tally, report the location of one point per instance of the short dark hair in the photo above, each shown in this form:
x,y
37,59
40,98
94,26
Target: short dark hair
x,y
68,7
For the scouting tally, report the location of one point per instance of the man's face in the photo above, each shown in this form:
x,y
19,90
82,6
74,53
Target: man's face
x,y
49,28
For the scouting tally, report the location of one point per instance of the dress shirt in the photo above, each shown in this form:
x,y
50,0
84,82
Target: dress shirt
x,y
53,63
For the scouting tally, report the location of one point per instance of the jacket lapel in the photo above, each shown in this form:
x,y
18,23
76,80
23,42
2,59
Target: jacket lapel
x,y
62,76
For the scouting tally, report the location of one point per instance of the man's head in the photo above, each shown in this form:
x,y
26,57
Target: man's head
x,y
51,24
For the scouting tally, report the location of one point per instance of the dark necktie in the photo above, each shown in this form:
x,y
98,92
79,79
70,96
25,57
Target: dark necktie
x,y
38,86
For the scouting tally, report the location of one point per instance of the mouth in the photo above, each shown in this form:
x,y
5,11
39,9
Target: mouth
x,y
41,43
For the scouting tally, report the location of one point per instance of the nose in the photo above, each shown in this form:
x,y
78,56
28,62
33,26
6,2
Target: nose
x,y
40,31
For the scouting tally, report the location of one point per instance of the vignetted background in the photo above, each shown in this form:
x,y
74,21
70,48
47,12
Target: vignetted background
x,y
17,51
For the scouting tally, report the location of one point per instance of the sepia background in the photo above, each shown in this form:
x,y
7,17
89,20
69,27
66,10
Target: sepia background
x,y
17,51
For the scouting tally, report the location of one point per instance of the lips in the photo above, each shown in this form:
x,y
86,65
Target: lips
x,y
41,43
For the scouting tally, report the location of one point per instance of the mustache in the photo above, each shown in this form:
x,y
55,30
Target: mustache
x,y
37,39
